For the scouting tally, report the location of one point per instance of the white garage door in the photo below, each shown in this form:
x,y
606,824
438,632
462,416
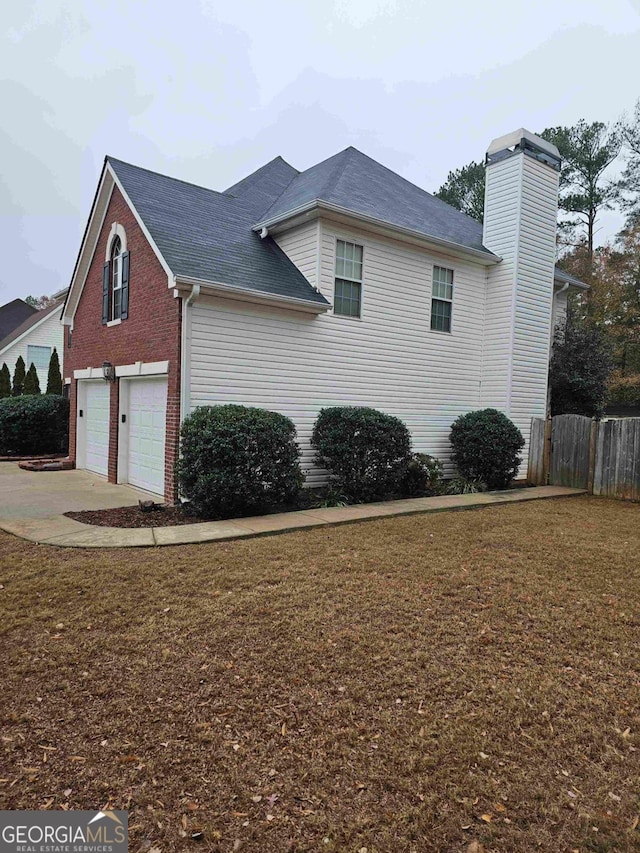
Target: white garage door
x,y
96,426
147,428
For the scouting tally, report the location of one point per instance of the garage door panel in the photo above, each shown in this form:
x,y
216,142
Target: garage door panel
x,y
96,427
147,427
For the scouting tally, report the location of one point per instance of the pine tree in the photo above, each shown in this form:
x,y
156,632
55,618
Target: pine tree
x,y
5,382
54,379
18,377
31,382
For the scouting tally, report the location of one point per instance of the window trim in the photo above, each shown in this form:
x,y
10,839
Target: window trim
x,y
448,331
337,277
115,283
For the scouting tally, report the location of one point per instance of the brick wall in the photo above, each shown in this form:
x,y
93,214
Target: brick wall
x,y
151,333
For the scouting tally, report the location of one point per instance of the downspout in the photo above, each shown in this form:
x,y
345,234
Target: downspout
x,y
556,293
185,352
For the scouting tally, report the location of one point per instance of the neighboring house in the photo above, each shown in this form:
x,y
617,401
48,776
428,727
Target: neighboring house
x,y
340,285
12,315
34,340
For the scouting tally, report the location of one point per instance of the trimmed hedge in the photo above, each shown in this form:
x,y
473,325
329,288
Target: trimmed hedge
x,y
486,446
365,451
237,460
34,425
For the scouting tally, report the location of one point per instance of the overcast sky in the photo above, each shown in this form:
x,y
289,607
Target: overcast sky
x,y
209,91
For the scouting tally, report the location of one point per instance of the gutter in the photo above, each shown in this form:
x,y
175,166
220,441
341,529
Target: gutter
x,y
216,288
487,258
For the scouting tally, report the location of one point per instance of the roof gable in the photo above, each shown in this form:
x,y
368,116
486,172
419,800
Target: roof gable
x,y
207,235
30,323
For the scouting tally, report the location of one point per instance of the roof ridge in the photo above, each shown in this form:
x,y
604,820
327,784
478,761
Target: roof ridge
x,y
257,171
111,159
411,184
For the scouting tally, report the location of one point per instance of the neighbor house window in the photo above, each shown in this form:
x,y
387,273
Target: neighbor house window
x,y
40,356
115,278
441,299
347,299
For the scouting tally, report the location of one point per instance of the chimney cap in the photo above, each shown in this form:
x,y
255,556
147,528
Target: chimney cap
x,y
510,140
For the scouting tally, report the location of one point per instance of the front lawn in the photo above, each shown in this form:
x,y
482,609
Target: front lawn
x,y
410,684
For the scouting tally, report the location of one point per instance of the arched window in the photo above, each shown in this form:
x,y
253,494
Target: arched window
x,y
115,277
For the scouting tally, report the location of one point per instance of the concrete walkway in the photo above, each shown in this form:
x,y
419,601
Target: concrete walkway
x,y
31,506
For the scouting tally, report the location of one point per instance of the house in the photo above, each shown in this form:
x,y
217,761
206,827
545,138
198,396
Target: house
x,y
341,284
35,338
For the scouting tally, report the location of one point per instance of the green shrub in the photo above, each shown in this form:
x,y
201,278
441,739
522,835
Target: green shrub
x,y
423,475
34,425
366,452
31,381
5,382
486,447
461,486
237,460
54,378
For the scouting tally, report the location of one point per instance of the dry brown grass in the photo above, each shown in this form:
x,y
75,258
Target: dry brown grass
x,y
408,684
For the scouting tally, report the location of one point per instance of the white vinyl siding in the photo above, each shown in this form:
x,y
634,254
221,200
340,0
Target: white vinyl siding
x,y
298,363
301,245
520,226
49,333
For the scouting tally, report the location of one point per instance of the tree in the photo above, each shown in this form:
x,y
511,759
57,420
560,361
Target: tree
x,y
39,302
628,187
18,377
5,382
580,369
587,150
464,190
31,381
54,379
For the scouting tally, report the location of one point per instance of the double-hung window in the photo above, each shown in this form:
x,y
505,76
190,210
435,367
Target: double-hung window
x,y
115,280
347,301
441,299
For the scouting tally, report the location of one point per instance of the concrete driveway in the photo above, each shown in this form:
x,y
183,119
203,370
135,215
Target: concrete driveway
x,y
32,503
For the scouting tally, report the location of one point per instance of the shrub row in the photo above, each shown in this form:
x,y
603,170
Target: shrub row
x,y
239,460
32,425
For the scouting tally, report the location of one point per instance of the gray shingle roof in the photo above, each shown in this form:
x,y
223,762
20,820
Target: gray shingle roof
x,y
12,315
353,181
207,235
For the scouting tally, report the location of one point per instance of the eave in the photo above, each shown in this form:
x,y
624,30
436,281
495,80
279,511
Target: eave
x,y
184,284
332,212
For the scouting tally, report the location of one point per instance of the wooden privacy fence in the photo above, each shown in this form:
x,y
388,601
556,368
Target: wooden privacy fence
x,y
600,456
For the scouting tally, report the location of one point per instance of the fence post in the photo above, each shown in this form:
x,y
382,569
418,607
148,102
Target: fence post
x,y
593,441
546,452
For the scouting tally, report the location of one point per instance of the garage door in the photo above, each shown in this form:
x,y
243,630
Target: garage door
x,y
147,428
96,426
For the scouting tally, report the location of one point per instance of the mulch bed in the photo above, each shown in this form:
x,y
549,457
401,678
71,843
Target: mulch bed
x,y
448,682
133,516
